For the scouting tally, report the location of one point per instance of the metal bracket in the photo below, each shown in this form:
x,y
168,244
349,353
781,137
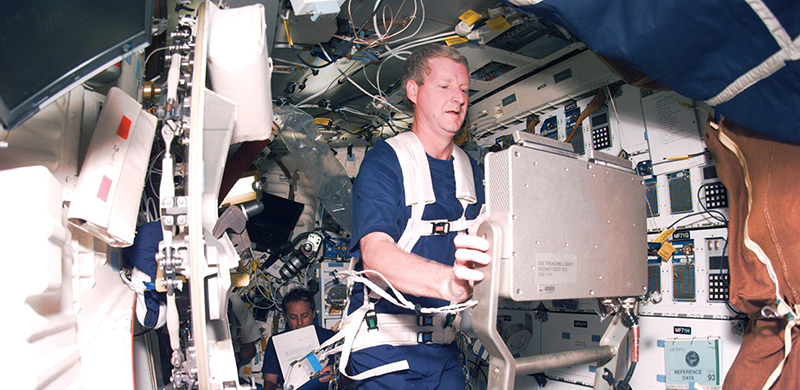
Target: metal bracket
x,y
609,160
503,367
538,142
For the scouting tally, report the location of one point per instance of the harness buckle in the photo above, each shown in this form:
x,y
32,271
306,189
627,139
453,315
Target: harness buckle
x,y
440,227
372,320
449,320
424,337
425,320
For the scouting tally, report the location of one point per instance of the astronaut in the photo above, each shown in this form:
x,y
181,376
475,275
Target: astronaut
x,y
299,311
413,195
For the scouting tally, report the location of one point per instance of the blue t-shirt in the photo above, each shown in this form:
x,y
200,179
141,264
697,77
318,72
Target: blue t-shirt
x,y
379,206
271,364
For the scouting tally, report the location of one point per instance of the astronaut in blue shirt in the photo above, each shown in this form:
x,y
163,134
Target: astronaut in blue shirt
x,y
438,269
299,311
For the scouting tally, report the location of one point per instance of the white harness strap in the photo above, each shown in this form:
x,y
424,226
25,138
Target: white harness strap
x,y
418,188
781,308
404,329
436,325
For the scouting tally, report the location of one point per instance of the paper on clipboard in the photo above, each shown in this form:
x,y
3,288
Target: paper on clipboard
x,y
671,128
293,345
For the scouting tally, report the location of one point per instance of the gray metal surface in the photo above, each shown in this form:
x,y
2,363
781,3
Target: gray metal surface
x,y
541,363
571,229
503,367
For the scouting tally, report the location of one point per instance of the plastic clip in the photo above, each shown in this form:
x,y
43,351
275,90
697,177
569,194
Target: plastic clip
x,y
424,337
769,312
449,320
440,227
425,320
372,320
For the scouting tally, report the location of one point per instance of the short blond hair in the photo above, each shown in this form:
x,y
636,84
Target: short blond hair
x,y
417,66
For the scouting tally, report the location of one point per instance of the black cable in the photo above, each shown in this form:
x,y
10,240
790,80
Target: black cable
x,y
299,57
711,213
374,11
629,375
696,214
723,219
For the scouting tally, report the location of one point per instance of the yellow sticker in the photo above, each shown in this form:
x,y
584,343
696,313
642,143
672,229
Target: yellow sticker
x,y
323,121
498,23
664,235
454,40
666,250
470,17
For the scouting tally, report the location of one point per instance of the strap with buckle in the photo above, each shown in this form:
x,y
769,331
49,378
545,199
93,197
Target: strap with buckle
x,y
372,320
424,337
449,320
425,320
440,227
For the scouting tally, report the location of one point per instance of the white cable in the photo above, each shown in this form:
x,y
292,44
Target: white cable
x,y
399,299
419,42
276,59
381,35
384,101
378,74
354,111
422,43
323,91
154,52
614,105
422,5
366,76
325,52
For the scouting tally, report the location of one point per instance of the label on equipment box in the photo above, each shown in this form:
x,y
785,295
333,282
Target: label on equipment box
x,y
553,269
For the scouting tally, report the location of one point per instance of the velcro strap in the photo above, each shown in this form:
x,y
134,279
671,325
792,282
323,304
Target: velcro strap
x,y
314,362
403,329
439,226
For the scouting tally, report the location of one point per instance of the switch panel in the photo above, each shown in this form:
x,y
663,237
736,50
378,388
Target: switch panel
x,y
601,138
718,270
716,195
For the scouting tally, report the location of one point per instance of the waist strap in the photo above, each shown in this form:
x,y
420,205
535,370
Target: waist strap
x,y
405,329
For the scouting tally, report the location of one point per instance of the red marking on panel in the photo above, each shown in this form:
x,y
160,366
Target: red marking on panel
x,y
124,127
105,188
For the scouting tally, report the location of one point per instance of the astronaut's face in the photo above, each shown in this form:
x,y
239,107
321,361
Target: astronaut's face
x,y
299,315
440,102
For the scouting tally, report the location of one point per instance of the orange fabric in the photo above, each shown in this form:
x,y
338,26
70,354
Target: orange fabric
x,y
773,223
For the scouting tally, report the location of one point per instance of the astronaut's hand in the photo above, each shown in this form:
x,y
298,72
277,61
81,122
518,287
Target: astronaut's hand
x,y
324,374
470,250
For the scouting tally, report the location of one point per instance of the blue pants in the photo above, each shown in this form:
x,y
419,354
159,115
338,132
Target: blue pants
x,y
431,366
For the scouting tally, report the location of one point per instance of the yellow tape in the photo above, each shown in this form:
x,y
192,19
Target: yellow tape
x,y
498,23
288,34
323,121
666,250
470,17
455,40
664,235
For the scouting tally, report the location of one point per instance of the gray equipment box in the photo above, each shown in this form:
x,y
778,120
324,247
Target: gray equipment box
x,y
571,229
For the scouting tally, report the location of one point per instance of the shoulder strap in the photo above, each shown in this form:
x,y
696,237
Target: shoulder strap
x,y
418,188
414,165
465,182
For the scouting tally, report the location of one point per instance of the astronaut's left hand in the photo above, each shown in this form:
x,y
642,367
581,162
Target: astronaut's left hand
x,y
324,374
470,250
